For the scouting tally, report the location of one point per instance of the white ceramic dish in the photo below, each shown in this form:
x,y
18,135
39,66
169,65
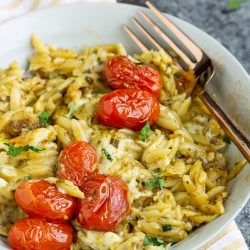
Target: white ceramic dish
x,y
74,25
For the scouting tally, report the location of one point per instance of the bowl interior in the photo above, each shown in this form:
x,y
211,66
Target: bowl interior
x,y
73,26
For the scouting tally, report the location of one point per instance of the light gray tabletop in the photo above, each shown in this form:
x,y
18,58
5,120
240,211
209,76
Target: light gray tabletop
x,y
231,28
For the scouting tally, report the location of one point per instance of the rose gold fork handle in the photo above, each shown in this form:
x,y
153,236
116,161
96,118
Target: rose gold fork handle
x,y
233,130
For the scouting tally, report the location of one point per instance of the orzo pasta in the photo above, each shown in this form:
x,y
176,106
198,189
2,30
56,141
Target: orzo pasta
x,y
176,175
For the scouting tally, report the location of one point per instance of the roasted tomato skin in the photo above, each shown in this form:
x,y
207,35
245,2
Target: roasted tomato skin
x,y
37,234
128,108
77,162
106,203
39,198
121,73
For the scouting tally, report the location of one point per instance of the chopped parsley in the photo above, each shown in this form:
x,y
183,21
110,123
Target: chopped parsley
x,y
43,118
155,175
166,228
28,177
72,109
106,153
56,164
155,242
15,151
234,4
145,130
156,182
227,139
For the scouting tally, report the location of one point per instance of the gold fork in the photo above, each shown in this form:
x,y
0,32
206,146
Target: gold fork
x,y
199,63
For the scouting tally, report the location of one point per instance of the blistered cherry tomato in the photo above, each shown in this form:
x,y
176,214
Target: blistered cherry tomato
x,y
39,198
120,73
128,108
77,162
37,234
105,204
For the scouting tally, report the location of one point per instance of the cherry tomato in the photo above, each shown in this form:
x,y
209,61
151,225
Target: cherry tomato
x,y
39,198
105,203
128,108
38,234
77,162
121,73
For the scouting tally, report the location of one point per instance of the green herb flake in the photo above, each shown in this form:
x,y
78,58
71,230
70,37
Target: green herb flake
x,y
145,130
166,228
43,118
156,182
227,139
15,151
72,107
108,156
56,164
150,184
154,241
28,177
234,4
160,183
155,175
32,148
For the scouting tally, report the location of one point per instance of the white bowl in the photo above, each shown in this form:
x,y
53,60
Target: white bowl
x,y
74,25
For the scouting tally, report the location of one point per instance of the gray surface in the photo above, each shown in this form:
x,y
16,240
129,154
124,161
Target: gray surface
x,y
231,28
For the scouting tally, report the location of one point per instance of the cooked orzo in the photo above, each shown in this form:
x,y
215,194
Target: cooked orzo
x,y
175,170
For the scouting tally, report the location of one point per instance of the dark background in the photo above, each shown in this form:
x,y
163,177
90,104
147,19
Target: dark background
x,y
231,28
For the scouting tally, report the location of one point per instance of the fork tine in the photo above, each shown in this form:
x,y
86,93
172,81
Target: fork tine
x,y
137,41
193,48
143,30
179,52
